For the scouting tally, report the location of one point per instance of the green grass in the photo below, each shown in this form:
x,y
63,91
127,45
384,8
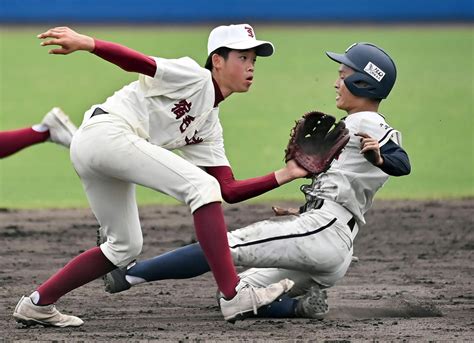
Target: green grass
x,y
432,103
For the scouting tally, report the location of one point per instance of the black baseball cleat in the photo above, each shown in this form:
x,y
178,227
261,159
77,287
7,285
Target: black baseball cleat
x,y
313,304
115,281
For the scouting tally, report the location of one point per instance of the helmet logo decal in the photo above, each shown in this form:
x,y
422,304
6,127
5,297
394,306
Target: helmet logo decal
x,y
374,71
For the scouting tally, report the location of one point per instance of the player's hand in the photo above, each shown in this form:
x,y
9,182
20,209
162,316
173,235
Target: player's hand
x,y
280,211
290,172
68,40
294,170
370,148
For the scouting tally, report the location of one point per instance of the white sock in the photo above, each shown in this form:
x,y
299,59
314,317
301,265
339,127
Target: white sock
x,y
134,280
35,297
40,128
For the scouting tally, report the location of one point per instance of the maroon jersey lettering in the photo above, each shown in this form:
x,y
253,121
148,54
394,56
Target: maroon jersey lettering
x,y
186,121
181,108
194,139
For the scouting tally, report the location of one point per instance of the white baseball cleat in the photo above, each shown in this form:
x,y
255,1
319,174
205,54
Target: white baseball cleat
x,y
30,314
249,299
61,129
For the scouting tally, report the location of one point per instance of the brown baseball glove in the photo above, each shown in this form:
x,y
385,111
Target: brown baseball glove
x,y
313,145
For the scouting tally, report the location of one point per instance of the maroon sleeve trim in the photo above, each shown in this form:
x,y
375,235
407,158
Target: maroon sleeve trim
x,y
126,58
239,190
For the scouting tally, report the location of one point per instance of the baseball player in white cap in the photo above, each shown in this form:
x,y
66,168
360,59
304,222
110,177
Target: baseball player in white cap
x,y
127,139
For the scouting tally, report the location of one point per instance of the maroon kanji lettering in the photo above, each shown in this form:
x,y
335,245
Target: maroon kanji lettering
x,y
194,139
181,108
186,121
249,31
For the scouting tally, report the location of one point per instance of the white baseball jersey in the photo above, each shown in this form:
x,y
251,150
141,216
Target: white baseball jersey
x,y
130,145
352,181
174,110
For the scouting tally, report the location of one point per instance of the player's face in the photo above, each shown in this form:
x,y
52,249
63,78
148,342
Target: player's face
x,y
345,100
238,70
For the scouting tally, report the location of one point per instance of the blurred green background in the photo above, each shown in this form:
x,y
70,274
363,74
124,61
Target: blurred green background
x,y
431,104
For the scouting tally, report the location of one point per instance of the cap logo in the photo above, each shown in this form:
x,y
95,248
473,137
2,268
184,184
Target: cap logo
x,y
249,31
374,71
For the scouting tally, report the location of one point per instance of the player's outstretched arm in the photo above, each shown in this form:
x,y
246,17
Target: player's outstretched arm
x,y
126,58
68,40
234,191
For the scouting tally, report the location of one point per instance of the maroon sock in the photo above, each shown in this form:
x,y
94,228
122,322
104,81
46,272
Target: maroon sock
x,y
82,269
211,233
15,140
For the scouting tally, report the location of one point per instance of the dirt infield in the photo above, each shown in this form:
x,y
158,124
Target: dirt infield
x,y
413,279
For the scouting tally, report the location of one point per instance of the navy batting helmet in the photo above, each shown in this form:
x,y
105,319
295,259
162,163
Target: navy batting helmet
x,y
375,71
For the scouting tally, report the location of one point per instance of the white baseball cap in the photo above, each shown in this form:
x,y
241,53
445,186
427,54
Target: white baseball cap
x,y
238,37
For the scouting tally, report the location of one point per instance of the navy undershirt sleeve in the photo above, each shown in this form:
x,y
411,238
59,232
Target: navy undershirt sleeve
x,y
395,160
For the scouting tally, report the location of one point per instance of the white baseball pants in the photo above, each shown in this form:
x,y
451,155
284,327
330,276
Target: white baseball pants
x,y
314,247
110,159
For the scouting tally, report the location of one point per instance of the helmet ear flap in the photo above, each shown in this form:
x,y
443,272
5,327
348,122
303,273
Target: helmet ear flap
x,y
364,86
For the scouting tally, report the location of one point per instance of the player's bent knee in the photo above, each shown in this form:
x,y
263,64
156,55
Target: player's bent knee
x,y
209,191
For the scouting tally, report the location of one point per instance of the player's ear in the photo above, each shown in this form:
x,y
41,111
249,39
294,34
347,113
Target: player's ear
x,y
217,61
